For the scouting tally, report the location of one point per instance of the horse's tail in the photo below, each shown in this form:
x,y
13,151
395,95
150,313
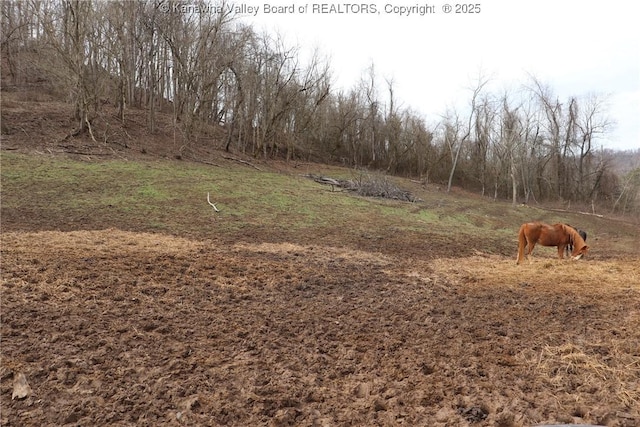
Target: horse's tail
x,y
522,242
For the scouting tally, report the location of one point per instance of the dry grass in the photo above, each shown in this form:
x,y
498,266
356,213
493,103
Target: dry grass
x,y
325,253
545,274
590,366
97,242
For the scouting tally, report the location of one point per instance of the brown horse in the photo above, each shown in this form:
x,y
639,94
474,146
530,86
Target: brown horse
x,y
560,235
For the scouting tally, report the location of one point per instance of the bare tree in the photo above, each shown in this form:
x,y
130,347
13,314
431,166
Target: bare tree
x,y
511,139
484,124
466,131
590,123
393,131
370,128
555,126
77,50
629,193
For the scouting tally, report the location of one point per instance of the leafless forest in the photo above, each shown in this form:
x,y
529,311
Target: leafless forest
x,y
225,84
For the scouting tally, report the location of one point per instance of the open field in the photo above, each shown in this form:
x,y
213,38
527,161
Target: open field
x,y
125,301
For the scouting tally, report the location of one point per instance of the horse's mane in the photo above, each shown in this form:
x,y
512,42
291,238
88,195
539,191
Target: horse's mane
x,y
576,238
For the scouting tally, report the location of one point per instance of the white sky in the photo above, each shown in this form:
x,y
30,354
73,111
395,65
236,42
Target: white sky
x,y
577,48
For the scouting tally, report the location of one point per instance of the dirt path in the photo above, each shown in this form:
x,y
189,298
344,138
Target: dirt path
x,y
123,328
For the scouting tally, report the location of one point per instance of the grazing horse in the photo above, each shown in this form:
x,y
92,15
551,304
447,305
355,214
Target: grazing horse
x,y
559,235
582,234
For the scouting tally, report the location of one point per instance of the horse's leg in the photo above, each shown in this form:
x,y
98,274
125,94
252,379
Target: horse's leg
x,y
522,241
561,251
530,245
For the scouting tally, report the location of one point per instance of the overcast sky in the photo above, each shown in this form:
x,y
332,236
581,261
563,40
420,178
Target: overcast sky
x,y
576,48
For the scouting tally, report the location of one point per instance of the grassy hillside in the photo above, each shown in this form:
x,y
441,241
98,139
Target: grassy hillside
x,y
276,203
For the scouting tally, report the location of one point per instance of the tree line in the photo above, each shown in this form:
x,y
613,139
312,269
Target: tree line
x,y
210,69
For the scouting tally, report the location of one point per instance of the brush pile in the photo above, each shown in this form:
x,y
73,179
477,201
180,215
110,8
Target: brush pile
x,y
367,186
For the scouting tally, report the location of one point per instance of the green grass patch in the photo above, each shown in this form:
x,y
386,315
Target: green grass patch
x,y
168,195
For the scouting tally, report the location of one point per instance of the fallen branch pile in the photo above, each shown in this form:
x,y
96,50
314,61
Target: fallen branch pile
x,y
368,186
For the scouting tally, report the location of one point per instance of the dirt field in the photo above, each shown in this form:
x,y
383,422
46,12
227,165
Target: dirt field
x,y
126,328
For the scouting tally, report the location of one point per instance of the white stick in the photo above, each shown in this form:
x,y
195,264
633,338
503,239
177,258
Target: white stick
x,y
214,206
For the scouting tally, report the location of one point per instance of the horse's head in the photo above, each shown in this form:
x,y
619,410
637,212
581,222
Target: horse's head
x,y
580,248
578,253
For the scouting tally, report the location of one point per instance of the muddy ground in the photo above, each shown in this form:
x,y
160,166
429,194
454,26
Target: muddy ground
x,y
124,328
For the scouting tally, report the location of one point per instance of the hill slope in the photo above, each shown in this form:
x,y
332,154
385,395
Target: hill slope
x,y
276,203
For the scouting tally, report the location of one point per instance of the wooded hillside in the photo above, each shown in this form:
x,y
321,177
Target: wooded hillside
x,y
225,84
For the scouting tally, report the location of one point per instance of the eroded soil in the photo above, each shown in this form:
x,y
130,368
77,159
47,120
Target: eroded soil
x,y
124,328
